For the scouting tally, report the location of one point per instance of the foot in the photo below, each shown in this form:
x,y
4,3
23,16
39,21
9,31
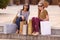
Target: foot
x,y
17,31
36,33
33,33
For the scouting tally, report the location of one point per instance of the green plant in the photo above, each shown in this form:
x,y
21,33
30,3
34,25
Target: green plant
x,y
3,3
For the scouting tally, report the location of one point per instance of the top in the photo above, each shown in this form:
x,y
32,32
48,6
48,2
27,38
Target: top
x,y
25,14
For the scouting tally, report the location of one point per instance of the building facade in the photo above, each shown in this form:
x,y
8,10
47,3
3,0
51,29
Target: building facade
x,y
34,2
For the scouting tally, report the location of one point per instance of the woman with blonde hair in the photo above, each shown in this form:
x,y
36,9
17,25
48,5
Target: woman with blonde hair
x,y
42,16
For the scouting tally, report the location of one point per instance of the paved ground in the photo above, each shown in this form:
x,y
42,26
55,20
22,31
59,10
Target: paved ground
x,y
54,13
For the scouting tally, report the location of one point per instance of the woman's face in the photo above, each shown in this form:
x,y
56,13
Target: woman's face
x,y
25,7
40,7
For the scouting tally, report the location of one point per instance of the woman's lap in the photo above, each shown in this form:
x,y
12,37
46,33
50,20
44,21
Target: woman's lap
x,y
18,20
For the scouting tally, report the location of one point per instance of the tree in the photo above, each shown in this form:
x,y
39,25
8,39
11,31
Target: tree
x,y
3,3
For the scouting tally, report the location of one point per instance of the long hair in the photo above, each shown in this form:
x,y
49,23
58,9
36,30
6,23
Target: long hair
x,y
39,13
27,8
42,5
46,4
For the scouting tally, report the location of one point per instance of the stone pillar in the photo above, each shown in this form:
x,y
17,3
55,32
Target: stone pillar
x,y
11,2
55,2
26,1
41,0
50,1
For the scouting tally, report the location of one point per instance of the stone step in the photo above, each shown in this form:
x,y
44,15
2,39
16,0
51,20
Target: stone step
x,y
28,37
55,31
9,39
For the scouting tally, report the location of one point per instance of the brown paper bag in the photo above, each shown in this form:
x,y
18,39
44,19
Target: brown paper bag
x,y
21,26
30,27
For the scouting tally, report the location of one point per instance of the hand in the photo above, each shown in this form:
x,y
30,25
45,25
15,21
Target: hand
x,y
46,20
23,17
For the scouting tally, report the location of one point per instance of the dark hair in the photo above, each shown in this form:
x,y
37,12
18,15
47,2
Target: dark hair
x,y
27,8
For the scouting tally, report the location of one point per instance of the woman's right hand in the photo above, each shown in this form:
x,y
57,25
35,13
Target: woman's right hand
x,y
23,18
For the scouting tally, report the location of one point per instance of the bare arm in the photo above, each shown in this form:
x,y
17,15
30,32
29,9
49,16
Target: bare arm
x,y
47,18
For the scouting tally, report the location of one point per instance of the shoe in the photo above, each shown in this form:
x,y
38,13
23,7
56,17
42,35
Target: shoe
x,y
37,33
17,32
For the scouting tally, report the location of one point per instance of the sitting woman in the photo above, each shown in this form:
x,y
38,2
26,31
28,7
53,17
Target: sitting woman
x,y
22,15
42,16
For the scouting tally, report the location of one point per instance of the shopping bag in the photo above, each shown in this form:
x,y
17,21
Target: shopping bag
x,y
10,28
30,27
21,26
24,32
45,28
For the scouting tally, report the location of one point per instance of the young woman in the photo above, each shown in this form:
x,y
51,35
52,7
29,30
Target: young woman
x,y
22,15
42,16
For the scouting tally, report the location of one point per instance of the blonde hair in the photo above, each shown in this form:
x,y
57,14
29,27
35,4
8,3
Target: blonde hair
x,y
46,4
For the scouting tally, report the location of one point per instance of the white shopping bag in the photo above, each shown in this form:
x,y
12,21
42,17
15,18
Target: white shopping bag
x,y
10,28
24,30
45,28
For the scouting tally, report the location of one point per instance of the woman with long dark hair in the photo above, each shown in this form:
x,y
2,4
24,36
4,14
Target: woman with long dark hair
x,y
22,15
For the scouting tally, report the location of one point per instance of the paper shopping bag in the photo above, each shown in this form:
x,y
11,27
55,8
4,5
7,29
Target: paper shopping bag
x,y
21,26
45,28
30,27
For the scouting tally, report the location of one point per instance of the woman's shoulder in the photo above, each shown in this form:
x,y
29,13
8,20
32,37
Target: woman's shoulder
x,y
45,12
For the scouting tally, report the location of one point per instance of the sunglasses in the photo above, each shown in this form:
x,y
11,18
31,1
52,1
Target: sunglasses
x,y
39,6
